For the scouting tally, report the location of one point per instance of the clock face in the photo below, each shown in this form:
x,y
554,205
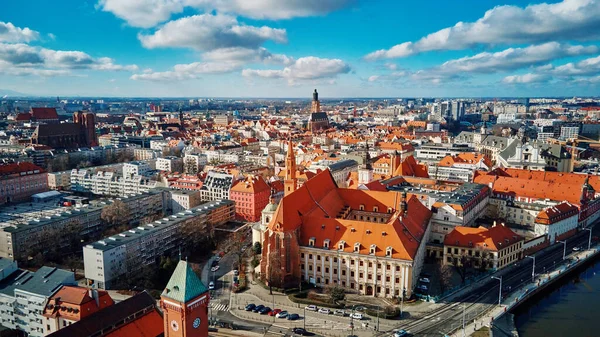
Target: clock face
x,y
196,323
174,325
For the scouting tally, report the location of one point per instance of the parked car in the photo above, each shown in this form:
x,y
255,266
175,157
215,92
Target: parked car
x,y
282,314
423,287
274,312
575,249
258,308
250,307
424,280
357,315
299,331
360,308
324,311
264,311
312,307
236,272
400,333
293,317
215,268
211,285
214,263
217,258
339,312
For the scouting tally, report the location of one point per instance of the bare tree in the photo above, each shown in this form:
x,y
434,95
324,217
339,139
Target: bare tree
x,y
444,276
115,214
462,264
190,166
275,274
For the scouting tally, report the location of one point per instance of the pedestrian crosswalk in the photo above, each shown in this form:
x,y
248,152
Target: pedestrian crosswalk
x,y
219,306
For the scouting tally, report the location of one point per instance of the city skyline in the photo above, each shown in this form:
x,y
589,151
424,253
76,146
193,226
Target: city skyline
x,y
268,48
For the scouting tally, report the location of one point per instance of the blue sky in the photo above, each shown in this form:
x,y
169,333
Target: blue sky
x,y
285,48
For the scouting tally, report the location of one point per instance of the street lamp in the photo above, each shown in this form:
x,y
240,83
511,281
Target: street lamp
x,y
533,271
565,248
304,320
500,294
590,239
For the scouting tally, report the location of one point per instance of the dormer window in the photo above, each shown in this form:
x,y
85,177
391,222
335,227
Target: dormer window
x,y
356,247
375,209
342,245
361,207
326,244
372,249
311,242
389,210
388,251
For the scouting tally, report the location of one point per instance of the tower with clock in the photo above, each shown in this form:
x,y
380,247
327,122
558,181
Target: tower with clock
x,y
184,303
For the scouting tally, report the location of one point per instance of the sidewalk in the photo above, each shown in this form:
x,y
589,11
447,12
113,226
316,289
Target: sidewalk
x,y
522,293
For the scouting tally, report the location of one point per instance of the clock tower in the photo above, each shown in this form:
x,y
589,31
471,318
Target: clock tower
x,y
184,303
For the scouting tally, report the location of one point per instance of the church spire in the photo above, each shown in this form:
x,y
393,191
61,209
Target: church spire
x,y
290,183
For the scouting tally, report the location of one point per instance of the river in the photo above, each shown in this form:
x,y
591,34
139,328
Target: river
x,y
570,308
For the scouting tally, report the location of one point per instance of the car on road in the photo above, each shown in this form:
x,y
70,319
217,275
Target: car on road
x,y
424,280
264,311
211,285
339,312
217,258
575,249
274,312
357,315
293,317
282,314
360,308
299,331
312,307
324,311
250,307
423,287
400,333
215,268
258,308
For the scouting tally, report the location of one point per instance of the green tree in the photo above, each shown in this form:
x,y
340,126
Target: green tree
x,y
336,293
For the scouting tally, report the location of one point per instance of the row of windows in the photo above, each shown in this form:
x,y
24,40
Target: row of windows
x,y
352,262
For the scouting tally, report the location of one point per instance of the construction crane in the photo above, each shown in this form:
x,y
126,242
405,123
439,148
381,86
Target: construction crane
x,y
574,148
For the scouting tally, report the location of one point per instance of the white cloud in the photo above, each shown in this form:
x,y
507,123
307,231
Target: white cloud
x,y
506,60
7,68
563,21
10,33
273,9
163,76
305,68
526,78
142,13
373,78
247,55
590,66
48,62
209,32
149,13
391,66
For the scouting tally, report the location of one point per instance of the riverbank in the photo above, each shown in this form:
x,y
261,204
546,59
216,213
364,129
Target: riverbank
x,y
527,292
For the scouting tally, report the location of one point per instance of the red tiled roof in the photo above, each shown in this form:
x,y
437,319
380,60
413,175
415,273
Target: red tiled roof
x,y
252,184
556,213
410,167
8,169
495,238
149,325
44,113
24,116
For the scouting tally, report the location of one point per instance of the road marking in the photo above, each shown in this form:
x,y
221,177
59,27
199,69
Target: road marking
x,y
219,306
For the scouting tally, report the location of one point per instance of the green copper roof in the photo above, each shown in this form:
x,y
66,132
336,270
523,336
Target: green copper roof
x,y
184,284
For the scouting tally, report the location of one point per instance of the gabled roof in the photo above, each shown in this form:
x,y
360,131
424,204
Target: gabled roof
x,y
252,184
184,285
410,167
494,239
44,113
556,213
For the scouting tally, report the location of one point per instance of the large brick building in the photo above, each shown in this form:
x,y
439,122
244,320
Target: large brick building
x,y
80,133
370,242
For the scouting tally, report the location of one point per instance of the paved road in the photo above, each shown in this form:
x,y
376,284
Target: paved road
x,y
484,297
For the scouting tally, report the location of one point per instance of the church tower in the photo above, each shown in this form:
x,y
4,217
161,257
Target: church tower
x,y
184,303
365,171
316,105
290,183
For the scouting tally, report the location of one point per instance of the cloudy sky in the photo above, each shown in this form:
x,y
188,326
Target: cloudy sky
x,y
285,48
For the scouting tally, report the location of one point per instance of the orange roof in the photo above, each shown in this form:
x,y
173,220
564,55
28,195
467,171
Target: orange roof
x,y
252,184
402,147
149,325
465,158
495,238
319,201
410,167
557,213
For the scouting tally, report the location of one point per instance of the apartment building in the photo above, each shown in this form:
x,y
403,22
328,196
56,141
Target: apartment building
x,y
24,294
459,168
485,248
118,255
250,195
19,181
557,220
60,181
216,186
170,164
340,169
433,153
182,200
28,236
139,167
193,162
109,183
